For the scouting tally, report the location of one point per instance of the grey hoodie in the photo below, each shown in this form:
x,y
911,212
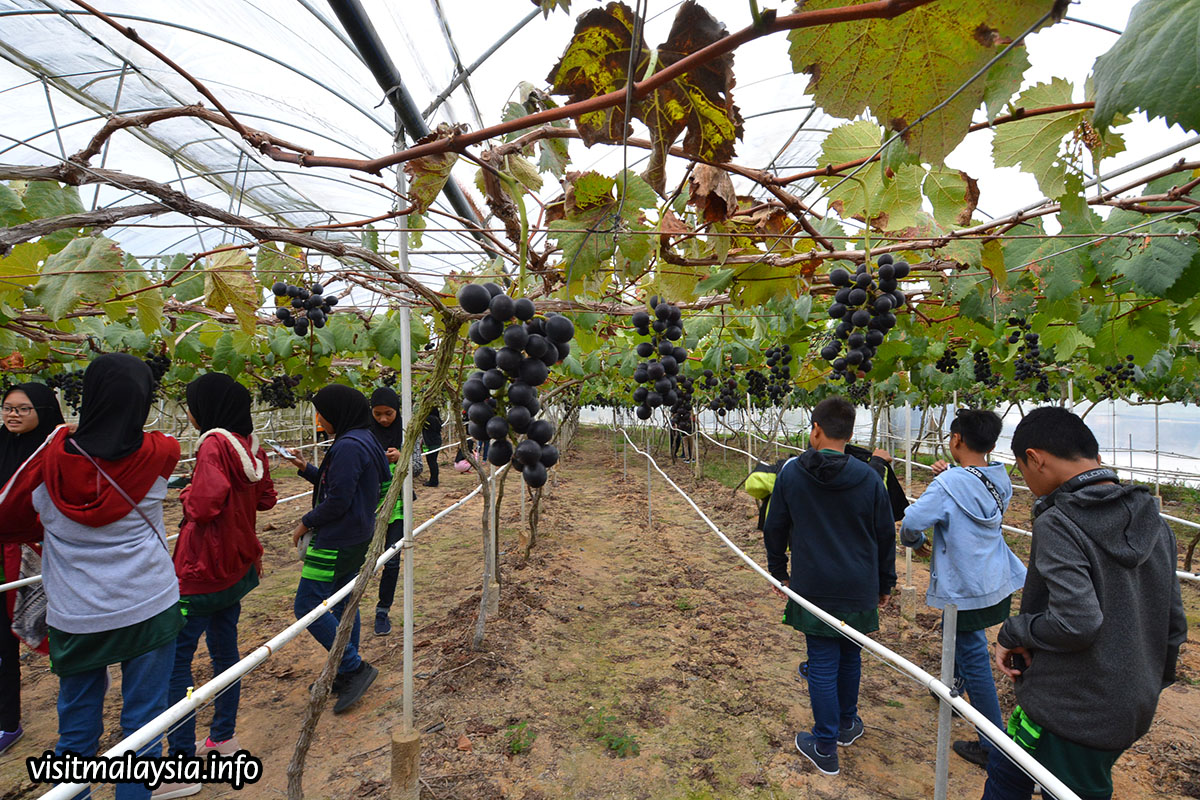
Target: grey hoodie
x,y
1101,613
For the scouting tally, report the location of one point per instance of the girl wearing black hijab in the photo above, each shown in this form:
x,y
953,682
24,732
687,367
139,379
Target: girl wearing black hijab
x,y
389,430
342,521
30,414
218,555
110,585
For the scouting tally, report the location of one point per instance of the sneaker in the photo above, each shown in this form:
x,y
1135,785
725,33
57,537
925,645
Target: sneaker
x,y
848,734
336,689
971,750
383,625
167,791
225,748
9,738
802,670
354,686
806,743
429,483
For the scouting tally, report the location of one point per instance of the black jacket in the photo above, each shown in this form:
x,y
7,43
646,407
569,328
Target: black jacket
x,y
347,490
1101,613
832,512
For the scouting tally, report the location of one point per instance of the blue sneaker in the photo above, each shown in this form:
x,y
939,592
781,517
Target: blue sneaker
x,y
9,738
806,743
848,733
383,625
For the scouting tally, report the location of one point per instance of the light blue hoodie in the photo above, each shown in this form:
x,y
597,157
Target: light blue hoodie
x,y
972,566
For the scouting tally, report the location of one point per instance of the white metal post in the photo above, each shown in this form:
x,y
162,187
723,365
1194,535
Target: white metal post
x,y
907,446
1157,485
945,713
406,416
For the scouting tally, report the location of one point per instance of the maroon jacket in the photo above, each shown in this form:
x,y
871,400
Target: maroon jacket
x,y
218,542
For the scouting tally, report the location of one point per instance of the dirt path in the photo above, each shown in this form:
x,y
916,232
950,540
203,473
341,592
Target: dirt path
x,y
615,638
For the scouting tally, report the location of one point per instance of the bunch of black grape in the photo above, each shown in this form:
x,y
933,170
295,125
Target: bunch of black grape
x,y
779,360
859,394
159,364
948,363
309,306
1116,376
278,393
727,398
661,370
983,369
864,304
1028,363
531,347
70,386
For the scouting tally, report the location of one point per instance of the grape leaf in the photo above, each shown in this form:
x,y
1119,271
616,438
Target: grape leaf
x,y
698,104
148,304
548,6
273,265
229,283
711,191
1003,80
1153,66
23,263
85,271
893,202
1035,144
953,194
12,210
1158,264
1065,339
428,174
718,281
902,68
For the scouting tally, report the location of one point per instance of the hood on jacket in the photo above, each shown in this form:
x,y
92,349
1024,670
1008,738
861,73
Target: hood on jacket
x,y
240,454
972,496
836,471
1121,519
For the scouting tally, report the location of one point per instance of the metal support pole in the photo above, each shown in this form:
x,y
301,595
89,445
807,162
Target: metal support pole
x,y
1157,486
945,714
406,416
749,449
908,446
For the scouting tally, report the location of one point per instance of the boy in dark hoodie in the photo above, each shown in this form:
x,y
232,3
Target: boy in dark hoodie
x,y
1101,615
832,512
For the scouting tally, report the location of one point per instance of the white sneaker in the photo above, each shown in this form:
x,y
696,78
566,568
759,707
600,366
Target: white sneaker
x,y
167,791
225,748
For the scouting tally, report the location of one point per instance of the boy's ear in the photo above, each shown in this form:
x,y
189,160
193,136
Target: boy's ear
x,y
1034,458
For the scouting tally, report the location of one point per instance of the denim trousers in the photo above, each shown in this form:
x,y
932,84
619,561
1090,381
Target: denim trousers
x,y
834,670
220,632
144,682
973,663
309,595
391,570
1007,781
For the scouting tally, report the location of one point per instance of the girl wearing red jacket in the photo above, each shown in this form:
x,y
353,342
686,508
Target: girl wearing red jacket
x,y
218,555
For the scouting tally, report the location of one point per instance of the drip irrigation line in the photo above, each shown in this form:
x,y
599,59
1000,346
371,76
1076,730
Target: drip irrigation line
x,y
999,738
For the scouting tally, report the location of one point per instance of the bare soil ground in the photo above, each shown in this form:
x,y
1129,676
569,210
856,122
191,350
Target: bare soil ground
x,y
629,660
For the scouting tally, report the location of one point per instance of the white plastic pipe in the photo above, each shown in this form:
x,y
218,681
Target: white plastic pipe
x,y
1014,751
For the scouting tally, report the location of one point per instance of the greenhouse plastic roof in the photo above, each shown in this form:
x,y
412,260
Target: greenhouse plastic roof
x,y
286,67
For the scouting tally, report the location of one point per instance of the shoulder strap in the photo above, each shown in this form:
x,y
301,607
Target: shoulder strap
x,y
991,487
120,491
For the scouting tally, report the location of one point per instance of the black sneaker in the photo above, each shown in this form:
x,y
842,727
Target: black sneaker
x,y
806,743
971,750
354,686
429,483
848,733
335,689
383,624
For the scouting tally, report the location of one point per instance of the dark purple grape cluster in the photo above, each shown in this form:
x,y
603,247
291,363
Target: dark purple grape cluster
x,y
948,363
779,374
1116,377
279,392
859,394
864,305
1028,363
660,372
531,346
299,308
727,398
70,386
983,369
160,365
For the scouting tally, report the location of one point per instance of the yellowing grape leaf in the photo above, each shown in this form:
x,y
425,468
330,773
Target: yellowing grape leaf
x,y
428,174
902,68
953,195
22,265
229,283
1035,144
83,271
698,104
892,203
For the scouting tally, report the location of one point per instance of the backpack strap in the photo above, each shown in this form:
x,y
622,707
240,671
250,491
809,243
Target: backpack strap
x,y
124,496
991,487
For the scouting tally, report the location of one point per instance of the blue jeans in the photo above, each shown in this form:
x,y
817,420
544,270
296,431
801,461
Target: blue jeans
x,y
834,669
81,709
309,595
220,631
973,663
1007,781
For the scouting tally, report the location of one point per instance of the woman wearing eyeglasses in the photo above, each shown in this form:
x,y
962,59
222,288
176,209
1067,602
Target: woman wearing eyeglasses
x,y
30,413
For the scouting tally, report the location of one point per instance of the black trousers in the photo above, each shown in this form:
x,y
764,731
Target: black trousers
x,y
10,671
391,570
431,459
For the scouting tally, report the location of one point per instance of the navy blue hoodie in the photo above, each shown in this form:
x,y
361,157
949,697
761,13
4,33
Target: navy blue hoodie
x,y
832,512
348,492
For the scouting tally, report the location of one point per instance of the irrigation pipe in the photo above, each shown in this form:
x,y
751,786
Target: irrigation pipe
x,y
1014,751
202,695
727,447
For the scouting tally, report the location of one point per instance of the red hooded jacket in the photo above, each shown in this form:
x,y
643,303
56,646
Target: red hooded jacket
x,y
218,542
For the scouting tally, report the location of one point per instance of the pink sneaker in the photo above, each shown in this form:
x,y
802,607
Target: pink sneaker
x,y
225,748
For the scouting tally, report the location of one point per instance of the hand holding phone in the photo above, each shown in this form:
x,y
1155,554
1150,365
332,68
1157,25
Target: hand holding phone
x,y
280,449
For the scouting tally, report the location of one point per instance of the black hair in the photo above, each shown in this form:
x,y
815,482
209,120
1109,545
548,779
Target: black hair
x,y
978,427
1057,431
836,418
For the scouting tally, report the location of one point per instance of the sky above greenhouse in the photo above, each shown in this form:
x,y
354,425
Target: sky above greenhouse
x,y
284,66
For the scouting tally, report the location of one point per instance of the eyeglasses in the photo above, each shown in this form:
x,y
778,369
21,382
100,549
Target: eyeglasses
x,y
21,411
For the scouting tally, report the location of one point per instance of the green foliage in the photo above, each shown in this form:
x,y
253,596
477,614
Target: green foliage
x,y
520,738
604,728
229,283
598,224
1035,144
902,68
428,174
1153,66
84,271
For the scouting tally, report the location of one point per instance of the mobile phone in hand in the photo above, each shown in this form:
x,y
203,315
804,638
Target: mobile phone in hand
x,y
280,449
1017,661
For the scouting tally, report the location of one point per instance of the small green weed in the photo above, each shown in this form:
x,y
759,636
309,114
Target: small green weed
x,y
683,604
520,738
604,728
895,703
